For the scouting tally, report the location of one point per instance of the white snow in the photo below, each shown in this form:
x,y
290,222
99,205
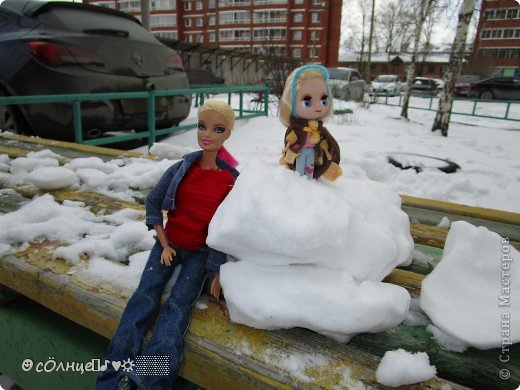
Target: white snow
x,y
468,294
273,216
52,178
307,247
401,367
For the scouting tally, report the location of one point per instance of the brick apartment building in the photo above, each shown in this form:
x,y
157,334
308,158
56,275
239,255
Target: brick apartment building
x,y
305,29
498,36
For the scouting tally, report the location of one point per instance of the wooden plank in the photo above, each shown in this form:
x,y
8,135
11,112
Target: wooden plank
x,y
67,149
462,210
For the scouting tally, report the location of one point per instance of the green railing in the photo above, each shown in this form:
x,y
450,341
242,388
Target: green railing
x,y
432,102
199,93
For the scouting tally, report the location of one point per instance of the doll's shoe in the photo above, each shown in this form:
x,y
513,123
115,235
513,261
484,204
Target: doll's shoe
x,y
333,172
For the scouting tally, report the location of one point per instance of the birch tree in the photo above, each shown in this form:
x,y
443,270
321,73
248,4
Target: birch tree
x,y
423,11
458,49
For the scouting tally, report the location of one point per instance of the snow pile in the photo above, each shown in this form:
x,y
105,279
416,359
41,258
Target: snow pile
x,y
52,178
104,240
306,253
401,367
468,293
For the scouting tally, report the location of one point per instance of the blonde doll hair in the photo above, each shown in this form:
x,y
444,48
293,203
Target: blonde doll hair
x,y
287,99
222,108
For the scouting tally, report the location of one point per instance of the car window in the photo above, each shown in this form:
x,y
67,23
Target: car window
x,y
81,20
338,74
6,22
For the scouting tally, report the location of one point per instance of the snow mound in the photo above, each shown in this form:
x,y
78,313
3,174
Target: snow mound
x,y
401,367
273,216
327,301
52,178
470,288
306,253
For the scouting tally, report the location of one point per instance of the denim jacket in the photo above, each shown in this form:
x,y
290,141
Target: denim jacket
x,y
162,196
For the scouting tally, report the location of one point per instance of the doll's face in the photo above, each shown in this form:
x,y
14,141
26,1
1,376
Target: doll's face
x,y
312,101
212,131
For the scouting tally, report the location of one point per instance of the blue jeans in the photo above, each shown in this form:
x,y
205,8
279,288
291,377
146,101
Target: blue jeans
x,y
305,162
168,336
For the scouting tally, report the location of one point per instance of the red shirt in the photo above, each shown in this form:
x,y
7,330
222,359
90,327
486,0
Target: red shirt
x,y
200,193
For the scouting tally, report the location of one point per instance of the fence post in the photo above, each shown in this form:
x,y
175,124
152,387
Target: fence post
x,y
507,110
266,98
76,116
241,107
151,113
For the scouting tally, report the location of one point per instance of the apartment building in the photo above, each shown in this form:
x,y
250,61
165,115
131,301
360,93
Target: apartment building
x,y
305,29
498,36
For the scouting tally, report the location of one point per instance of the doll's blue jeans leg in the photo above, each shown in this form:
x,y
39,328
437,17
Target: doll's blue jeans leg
x,y
305,162
142,309
168,335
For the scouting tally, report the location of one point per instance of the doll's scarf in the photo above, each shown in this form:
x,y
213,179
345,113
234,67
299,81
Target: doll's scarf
x,y
312,126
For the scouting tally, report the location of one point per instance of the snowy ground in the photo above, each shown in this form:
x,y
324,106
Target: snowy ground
x,y
486,149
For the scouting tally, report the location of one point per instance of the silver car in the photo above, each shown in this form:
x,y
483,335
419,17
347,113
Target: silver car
x,y
386,85
347,84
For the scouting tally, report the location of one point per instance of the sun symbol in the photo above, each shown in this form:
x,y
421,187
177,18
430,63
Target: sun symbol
x,y
128,365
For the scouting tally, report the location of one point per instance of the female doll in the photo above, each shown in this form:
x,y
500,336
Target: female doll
x,y
305,103
191,190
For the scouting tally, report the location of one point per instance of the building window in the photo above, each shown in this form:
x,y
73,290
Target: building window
x,y
212,4
199,5
297,36
187,6
298,1
234,17
317,2
199,22
163,5
269,34
211,20
163,20
314,52
297,52
298,17
187,23
212,36
315,17
234,35
315,35
130,6
234,3
269,17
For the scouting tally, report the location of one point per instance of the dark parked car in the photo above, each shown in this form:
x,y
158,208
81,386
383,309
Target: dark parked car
x,y
505,88
203,77
62,48
422,86
463,83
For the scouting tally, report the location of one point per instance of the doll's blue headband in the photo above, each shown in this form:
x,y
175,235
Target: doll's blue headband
x,y
304,68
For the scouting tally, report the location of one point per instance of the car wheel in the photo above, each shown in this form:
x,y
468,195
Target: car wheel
x,y
487,95
11,119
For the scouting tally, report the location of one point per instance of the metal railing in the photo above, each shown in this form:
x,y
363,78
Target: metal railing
x,y
474,107
149,95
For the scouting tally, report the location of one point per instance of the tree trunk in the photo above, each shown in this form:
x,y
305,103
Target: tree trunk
x,y
423,13
442,119
145,14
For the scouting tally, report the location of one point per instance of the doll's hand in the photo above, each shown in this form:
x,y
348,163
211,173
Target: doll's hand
x,y
167,256
329,156
216,288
